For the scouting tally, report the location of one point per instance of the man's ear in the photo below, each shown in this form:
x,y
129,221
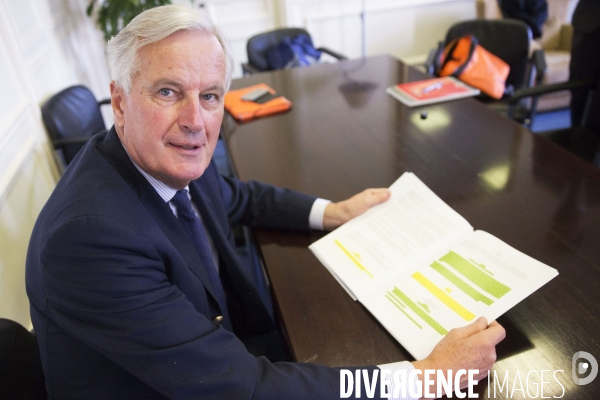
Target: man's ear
x,y
117,97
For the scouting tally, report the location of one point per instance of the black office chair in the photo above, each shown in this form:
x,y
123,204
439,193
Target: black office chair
x,y
582,140
258,46
71,117
21,375
509,40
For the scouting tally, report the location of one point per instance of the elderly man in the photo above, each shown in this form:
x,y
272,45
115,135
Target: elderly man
x,y
136,290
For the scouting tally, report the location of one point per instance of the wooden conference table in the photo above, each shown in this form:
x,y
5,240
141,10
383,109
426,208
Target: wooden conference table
x,y
345,134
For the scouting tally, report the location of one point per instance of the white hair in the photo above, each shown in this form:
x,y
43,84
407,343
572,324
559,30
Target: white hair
x,y
151,26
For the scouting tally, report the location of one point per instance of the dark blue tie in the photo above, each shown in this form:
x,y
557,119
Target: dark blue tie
x,y
195,230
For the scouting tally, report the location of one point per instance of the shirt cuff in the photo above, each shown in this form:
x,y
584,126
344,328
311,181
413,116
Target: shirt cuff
x,y
317,212
401,366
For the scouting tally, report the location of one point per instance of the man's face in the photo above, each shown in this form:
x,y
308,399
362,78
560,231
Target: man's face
x,y
169,122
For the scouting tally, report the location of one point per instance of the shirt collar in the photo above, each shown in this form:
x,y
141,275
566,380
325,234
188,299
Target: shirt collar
x,y
165,191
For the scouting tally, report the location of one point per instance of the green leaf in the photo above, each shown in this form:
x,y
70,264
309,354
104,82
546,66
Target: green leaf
x,y
115,14
90,8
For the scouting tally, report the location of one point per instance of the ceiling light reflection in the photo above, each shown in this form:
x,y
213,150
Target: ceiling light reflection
x,y
430,120
496,177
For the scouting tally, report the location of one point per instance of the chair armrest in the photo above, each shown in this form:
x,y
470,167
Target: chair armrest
x,y
547,89
80,139
249,69
538,58
332,53
537,91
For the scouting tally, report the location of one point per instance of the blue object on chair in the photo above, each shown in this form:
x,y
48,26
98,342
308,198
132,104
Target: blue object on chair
x,y
258,45
292,52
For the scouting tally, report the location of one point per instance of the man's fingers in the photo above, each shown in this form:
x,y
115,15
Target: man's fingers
x,y
495,332
376,196
494,323
364,200
339,213
475,327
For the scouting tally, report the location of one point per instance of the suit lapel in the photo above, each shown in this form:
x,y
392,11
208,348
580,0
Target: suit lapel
x,y
161,212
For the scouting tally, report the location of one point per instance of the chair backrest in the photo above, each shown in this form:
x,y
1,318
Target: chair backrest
x,y
258,45
73,112
506,38
21,374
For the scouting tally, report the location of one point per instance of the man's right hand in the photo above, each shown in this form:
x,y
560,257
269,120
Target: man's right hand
x,y
470,347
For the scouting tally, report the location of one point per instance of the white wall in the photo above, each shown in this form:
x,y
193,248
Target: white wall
x,y
407,29
47,45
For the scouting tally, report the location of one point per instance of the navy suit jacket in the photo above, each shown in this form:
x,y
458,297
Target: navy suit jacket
x,y
121,304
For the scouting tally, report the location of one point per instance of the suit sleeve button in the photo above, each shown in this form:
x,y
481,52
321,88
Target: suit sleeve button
x,y
218,318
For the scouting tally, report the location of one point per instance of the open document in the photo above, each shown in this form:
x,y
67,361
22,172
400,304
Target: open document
x,y
421,270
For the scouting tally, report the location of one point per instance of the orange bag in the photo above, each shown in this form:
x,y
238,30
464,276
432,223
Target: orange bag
x,y
466,60
243,110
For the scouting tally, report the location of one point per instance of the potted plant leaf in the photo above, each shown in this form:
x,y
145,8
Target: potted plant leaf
x,y
114,15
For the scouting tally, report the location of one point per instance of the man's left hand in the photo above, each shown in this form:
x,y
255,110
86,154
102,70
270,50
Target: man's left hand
x,y
339,213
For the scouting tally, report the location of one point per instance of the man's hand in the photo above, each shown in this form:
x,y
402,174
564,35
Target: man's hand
x,y
470,347
339,213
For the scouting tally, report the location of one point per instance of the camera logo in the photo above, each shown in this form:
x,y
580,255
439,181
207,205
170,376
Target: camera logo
x,y
581,367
